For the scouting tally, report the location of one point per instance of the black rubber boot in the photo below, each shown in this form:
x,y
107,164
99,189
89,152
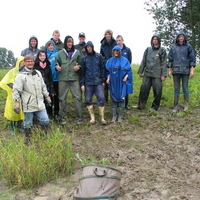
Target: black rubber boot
x,y
176,98
27,132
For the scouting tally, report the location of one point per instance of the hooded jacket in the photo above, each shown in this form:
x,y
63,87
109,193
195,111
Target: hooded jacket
x,y
30,50
68,62
6,82
181,57
31,89
51,55
59,44
154,61
118,68
92,66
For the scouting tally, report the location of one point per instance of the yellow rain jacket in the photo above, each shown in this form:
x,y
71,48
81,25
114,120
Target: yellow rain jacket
x,y
9,78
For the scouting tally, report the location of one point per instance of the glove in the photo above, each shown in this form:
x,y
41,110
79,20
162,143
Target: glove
x,y
48,101
83,88
17,107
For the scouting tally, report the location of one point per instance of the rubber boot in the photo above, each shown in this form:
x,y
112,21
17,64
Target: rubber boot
x,y
79,112
101,113
27,132
186,102
114,114
120,116
176,98
91,112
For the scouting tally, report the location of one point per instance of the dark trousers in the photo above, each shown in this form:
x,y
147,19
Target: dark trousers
x,y
147,83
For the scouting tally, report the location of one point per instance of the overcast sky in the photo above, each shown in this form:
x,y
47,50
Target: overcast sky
x,y
22,18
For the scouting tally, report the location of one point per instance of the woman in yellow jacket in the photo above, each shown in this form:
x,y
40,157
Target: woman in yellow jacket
x,y
7,84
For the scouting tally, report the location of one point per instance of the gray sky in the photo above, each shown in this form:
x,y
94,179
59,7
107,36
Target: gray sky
x,y
24,18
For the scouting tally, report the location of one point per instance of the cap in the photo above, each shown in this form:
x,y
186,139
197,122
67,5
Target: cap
x,y
81,34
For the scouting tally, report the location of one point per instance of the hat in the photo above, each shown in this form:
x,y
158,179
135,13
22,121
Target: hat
x,y
117,47
81,34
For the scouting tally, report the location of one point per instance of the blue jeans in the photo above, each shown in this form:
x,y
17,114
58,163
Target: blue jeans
x,y
98,90
177,81
41,115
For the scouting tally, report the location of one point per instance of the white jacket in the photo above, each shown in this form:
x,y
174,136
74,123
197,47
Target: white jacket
x,y
29,87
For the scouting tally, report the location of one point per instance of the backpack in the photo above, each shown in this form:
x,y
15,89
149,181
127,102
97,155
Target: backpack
x,y
98,182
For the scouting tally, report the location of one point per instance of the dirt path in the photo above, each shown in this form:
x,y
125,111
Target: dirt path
x,y
158,154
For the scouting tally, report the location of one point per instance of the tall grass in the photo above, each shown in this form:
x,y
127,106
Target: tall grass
x,y
29,166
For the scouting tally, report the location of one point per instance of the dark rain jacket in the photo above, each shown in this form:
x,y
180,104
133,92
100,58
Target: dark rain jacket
x,y
154,62
181,57
81,48
59,44
126,52
93,70
106,48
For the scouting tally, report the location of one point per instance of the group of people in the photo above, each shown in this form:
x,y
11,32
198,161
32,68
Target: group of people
x,y
38,86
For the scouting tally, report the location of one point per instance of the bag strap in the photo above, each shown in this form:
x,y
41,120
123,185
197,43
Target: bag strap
x,y
100,175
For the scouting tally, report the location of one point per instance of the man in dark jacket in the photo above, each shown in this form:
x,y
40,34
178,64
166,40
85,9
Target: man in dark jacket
x,y
126,52
93,80
181,65
153,69
107,44
81,45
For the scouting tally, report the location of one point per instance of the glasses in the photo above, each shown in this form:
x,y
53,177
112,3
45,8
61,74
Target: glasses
x,y
29,61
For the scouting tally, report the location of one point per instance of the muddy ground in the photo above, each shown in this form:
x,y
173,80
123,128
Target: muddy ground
x,y
158,154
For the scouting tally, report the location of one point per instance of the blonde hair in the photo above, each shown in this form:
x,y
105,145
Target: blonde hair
x,y
56,31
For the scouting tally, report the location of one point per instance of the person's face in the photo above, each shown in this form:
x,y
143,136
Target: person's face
x,y
108,36
119,41
81,39
69,44
155,41
29,63
33,42
181,38
56,36
89,49
50,47
42,56
116,53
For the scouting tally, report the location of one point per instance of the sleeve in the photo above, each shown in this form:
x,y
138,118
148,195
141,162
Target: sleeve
x,y
170,58
191,55
17,88
143,63
163,62
103,69
82,79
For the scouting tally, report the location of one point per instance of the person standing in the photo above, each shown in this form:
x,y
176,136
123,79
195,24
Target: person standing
x,y
81,45
51,55
119,80
153,70
33,47
42,64
57,41
29,89
93,80
69,60
181,64
7,84
107,44
126,52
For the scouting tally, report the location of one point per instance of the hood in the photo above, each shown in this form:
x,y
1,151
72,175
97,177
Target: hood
x,y
89,43
54,48
159,40
33,36
37,60
65,41
21,58
181,33
117,47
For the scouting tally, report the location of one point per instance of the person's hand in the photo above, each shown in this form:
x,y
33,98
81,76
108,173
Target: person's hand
x,y
76,67
108,81
58,68
83,88
170,72
17,107
48,101
191,72
125,78
140,75
104,85
163,78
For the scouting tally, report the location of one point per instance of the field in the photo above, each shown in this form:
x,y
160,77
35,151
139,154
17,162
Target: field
x,y
157,152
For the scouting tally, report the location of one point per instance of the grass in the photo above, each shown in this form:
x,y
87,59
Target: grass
x,y
29,166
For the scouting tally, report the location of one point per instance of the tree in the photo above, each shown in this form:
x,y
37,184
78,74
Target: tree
x,y
7,59
173,15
